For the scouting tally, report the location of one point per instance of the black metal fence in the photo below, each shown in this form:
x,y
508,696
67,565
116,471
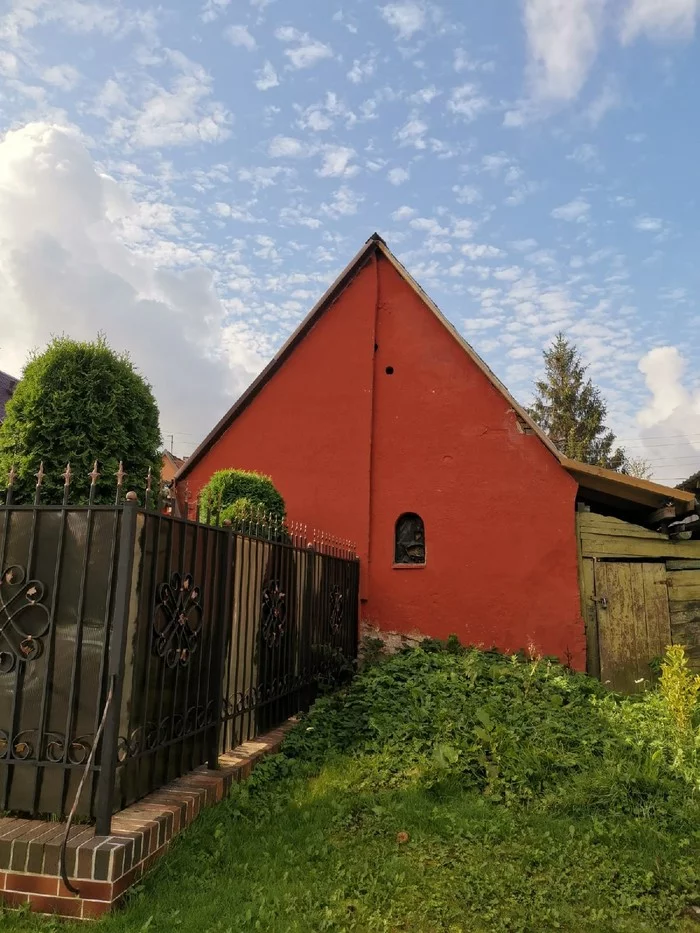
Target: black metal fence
x,y
193,637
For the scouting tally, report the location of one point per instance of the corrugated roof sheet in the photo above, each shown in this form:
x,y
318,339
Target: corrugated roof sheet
x,y
7,387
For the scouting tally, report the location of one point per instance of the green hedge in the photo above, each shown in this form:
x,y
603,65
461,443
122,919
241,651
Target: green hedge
x,y
78,402
239,493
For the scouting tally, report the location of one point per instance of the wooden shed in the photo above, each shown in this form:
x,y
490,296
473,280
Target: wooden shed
x,y
639,561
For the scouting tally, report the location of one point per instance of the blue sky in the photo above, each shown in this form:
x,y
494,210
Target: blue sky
x,y
188,178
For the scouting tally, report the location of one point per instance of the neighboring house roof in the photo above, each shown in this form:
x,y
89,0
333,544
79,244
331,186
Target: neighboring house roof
x,y
596,479
170,465
7,387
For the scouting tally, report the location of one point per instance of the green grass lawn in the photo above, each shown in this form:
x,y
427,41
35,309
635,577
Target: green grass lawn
x,y
444,792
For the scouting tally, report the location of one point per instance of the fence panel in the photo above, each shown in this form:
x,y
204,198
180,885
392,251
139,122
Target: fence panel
x,y
56,589
168,723
188,638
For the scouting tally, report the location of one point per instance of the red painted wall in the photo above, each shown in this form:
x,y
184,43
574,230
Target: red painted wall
x,y
351,448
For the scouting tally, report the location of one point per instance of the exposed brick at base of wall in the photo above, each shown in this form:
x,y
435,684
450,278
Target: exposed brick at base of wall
x,y
103,868
393,641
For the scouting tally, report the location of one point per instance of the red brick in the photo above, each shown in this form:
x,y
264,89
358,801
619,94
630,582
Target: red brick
x,y
92,890
93,910
31,884
14,898
2,880
126,881
63,906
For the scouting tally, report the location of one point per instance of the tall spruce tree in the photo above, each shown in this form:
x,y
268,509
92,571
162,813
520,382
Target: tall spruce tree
x,y
571,410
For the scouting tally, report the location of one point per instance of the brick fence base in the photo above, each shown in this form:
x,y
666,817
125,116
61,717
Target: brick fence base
x,y
103,868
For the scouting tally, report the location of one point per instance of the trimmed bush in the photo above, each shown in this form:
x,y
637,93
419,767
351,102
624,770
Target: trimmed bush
x,y
78,402
240,493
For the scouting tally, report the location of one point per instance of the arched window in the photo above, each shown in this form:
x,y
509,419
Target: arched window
x,y
409,539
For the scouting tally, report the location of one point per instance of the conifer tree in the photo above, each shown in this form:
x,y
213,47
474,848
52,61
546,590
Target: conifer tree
x,y
572,411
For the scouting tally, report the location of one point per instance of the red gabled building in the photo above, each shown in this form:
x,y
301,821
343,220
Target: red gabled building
x,y
377,421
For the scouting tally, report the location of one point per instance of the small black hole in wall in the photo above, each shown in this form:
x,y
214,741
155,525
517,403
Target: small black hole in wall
x,y
389,370
376,347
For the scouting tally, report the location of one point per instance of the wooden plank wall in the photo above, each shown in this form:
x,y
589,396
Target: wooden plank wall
x,y
601,538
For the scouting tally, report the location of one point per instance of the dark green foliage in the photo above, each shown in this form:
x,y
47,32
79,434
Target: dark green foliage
x,y
78,402
240,493
446,790
571,410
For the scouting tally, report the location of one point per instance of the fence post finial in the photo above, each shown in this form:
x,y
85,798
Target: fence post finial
x,y
149,485
39,480
66,476
120,474
10,484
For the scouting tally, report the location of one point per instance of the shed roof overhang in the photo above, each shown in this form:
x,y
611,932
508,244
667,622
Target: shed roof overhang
x,y
607,487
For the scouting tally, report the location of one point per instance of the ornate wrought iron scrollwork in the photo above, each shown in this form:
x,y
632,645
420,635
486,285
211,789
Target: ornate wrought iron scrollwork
x,y
274,613
337,599
55,747
24,619
177,620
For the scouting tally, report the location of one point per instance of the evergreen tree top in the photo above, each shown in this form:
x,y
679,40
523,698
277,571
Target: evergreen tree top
x,y
571,409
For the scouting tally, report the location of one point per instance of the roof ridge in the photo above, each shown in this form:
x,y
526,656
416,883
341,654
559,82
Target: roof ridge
x,y
375,244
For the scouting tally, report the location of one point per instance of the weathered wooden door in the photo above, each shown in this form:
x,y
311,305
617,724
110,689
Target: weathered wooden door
x,y
684,599
633,621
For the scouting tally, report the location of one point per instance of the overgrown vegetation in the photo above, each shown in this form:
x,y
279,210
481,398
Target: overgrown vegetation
x,y
77,401
240,495
453,790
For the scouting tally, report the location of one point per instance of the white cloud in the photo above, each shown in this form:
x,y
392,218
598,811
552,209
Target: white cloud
x,y
266,77
429,225
75,248
345,203
337,163
307,52
212,9
671,417
608,99
406,18
463,229
404,213
64,77
8,64
563,37
575,211
467,102
647,224
76,16
588,156
176,116
659,19
363,69
239,35
288,147
426,95
412,133
495,163
477,251
261,176
466,194
464,62
397,176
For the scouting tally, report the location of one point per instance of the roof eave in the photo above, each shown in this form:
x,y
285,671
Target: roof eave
x,y
629,489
